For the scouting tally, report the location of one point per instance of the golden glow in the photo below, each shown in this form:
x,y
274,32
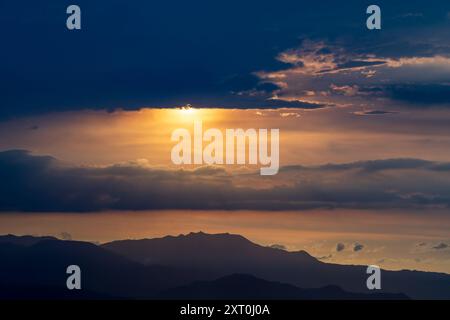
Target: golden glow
x,y
185,113
308,138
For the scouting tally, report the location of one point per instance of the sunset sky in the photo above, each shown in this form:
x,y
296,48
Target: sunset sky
x,y
364,116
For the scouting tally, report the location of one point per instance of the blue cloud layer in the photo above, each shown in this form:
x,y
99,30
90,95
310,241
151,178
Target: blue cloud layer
x,y
41,184
159,53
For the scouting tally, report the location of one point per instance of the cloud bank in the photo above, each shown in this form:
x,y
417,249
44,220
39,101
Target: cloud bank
x,y
42,183
269,55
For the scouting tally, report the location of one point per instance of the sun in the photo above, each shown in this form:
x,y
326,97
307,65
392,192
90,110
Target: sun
x,y
187,109
187,114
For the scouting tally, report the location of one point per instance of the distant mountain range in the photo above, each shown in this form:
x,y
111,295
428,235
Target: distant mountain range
x,y
224,254
196,265
241,286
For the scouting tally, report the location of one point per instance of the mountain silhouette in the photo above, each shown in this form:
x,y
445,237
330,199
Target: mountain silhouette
x,y
241,286
42,267
212,251
220,255
190,266
41,292
34,268
23,240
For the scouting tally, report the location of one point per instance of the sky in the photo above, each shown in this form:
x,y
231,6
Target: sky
x,y
86,118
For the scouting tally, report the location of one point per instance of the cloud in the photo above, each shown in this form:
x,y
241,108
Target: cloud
x,y
339,76
373,112
65,236
376,165
345,90
419,95
278,246
289,114
42,183
421,244
357,247
441,246
340,247
141,60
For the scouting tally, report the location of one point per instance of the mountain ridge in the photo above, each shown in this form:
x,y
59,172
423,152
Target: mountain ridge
x,y
224,254
243,286
144,268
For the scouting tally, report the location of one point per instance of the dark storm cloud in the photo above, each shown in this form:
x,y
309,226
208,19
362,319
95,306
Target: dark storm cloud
x,y
135,54
42,183
164,54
